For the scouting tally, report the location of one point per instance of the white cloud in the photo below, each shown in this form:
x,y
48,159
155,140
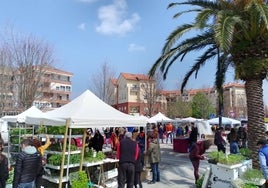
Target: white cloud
x,y
113,19
135,47
82,26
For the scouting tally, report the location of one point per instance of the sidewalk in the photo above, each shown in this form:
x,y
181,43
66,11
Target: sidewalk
x,y
176,169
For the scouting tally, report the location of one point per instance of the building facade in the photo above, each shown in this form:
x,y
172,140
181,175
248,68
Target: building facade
x,y
136,94
53,91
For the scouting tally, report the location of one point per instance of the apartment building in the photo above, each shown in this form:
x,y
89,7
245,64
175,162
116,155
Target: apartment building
x,y
234,98
55,89
235,102
136,94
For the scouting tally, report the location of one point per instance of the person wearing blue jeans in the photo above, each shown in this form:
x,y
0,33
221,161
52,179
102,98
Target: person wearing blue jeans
x,y
27,185
153,153
155,172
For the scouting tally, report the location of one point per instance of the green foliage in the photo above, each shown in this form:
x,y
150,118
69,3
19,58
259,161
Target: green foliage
x,y
10,176
252,175
202,106
58,147
41,129
179,109
78,131
88,156
250,185
199,182
245,152
79,179
56,130
231,159
56,159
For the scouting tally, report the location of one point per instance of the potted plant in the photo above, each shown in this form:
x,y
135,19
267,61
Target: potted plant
x,y
246,152
252,178
227,168
79,179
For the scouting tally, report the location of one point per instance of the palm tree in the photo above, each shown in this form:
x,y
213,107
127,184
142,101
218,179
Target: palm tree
x,y
235,31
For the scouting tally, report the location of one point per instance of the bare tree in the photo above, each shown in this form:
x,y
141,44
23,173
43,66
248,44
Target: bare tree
x,y
100,83
30,58
152,95
6,83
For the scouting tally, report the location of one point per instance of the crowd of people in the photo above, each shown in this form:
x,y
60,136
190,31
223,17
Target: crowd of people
x,y
133,149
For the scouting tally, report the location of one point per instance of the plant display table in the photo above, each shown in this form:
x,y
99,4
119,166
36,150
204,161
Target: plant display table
x,y
222,175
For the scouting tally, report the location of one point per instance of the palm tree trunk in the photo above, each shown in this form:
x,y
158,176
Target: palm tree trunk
x,y
256,127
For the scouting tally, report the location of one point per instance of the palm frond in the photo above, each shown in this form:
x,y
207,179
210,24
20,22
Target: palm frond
x,y
224,30
262,10
175,35
205,57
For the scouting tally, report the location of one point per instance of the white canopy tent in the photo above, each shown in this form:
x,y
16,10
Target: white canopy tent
x,y
87,110
33,116
204,128
21,118
225,120
159,117
190,119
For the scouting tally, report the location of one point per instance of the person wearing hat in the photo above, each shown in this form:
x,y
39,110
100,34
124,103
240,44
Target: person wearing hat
x,y
127,153
263,158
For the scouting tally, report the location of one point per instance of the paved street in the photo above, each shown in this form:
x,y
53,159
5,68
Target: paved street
x,y
176,169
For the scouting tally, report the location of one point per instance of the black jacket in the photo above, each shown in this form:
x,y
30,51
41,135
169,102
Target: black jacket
x,y
28,166
3,170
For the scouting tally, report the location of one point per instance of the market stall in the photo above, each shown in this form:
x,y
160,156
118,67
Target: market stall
x,y
181,144
87,111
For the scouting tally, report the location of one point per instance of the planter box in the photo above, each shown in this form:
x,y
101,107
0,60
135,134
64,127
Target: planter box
x,y
222,175
238,183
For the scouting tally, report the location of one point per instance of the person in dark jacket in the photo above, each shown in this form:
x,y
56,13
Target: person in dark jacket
x,y
138,170
28,166
232,138
97,141
193,136
3,166
219,140
127,153
196,155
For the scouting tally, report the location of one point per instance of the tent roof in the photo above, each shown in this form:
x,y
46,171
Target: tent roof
x,y
22,116
88,110
33,116
225,120
190,119
159,117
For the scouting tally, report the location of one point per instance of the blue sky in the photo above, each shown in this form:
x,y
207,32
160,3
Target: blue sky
x,y
127,34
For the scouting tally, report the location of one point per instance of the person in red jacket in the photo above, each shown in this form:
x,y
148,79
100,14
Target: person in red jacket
x,y
169,129
196,154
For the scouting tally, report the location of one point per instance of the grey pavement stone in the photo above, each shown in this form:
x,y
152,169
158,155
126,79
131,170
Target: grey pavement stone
x,y
176,170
